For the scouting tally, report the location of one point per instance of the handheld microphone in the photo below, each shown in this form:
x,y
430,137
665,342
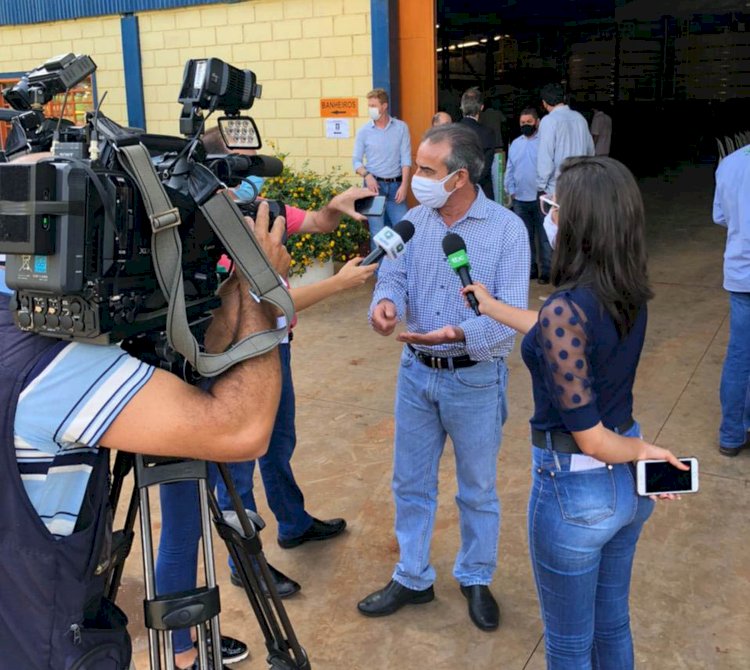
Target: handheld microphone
x,y
454,248
391,242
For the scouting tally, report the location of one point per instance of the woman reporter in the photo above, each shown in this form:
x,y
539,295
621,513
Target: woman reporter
x,y
582,350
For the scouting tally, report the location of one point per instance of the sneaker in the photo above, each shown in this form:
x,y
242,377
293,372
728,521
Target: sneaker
x,y
232,651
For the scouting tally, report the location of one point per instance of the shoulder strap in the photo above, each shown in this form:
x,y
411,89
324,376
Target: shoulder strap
x,y
227,222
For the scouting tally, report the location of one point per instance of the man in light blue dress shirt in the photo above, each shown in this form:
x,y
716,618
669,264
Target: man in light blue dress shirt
x,y
382,157
453,376
562,133
732,210
520,185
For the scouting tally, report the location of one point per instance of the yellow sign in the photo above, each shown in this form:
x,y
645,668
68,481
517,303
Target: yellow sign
x,y
339,107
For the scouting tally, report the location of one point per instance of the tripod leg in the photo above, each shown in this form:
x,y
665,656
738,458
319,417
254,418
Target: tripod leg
x,y
245,548
210,568
150,583
168,651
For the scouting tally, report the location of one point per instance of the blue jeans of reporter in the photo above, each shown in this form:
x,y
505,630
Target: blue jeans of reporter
x,y
735,376
467,404
394,211
583,528
177,559
282,492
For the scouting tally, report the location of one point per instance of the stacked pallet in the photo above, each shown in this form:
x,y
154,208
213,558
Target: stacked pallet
x,y
713,67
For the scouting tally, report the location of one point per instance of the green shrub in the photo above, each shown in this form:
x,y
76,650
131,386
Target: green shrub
x,y
309,190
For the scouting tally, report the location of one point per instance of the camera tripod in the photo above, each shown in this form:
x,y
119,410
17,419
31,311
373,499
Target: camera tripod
x,y
200,607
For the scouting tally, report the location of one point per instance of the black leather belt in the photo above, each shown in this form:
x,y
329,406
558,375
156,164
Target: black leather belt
x,y
442,362
564,443
389,180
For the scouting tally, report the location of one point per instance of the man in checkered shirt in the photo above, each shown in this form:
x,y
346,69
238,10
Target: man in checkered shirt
x,y
453,375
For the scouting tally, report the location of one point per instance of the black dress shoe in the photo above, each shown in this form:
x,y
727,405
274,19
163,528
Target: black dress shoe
x,y
392,598
543,279
731,451
734,451
483,608
285,586
320,530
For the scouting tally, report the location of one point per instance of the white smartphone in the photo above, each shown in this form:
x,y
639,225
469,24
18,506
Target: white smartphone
x,y
656,477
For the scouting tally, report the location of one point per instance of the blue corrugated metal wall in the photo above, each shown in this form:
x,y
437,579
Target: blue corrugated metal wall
x,y
13,12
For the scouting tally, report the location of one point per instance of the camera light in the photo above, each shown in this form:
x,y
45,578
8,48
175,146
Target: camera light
x,y
239,132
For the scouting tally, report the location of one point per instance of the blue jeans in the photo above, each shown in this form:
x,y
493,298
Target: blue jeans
x,y
735,377
541,251
177,558
468,405
282,492
394,211
583,528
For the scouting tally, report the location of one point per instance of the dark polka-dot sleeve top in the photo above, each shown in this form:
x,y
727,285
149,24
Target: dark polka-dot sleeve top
x,y
582,371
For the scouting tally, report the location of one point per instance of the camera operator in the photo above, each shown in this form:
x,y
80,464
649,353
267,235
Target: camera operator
x,y
176,565
59,402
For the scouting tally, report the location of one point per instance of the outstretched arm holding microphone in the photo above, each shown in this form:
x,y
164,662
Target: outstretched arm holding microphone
x,y
582,350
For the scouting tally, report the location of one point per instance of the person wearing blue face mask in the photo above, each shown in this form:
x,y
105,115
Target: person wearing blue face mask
x,y
452,379
520,184
382,157
249,188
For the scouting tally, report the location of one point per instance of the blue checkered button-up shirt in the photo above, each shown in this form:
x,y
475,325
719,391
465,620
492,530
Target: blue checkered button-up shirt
x,y
426,291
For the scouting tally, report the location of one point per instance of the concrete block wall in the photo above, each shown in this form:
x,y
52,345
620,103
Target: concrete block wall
x,y
300,50
23,48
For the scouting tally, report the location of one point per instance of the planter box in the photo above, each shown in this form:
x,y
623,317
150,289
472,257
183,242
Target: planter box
x,y
314,273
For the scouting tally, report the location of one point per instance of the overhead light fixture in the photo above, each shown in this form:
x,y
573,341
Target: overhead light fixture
x,y
468,44
496,38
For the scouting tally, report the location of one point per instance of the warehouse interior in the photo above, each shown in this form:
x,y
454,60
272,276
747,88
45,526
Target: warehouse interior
x,y
673,74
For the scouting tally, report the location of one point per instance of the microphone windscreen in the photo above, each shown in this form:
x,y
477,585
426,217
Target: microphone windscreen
x,y
405,230
266,166
453,243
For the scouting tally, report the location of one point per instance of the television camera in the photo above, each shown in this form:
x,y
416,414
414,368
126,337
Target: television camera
x,y
78,225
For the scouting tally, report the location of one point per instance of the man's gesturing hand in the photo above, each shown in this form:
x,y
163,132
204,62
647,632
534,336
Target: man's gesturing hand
x,y
384,317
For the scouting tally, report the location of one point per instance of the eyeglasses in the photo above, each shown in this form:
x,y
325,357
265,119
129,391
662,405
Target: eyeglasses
x,y
547,204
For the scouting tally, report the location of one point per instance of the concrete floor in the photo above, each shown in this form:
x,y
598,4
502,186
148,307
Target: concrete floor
x,y
691,584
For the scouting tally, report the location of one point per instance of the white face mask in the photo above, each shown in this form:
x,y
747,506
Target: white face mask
x,y
374,113
430,192
550,227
